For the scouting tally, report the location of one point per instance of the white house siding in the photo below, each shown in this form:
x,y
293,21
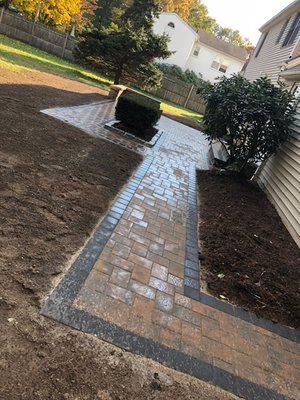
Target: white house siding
x,y
280,179
272,55
203,63
182,38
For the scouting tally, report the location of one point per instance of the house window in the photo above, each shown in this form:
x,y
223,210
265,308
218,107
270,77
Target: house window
x,y
196,51
282,30
220,65
171,25
261,44
293,32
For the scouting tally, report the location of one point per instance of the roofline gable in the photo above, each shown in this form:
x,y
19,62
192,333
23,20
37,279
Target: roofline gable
x,y
283,14
181,20
212,41
228,55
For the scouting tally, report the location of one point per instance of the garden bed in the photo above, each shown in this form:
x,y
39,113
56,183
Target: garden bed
x,y
246,254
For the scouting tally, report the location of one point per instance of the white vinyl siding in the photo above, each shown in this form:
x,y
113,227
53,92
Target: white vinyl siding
x,y
272,54
280,179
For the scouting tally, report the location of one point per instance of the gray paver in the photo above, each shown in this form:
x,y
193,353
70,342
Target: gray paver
x,y
142,266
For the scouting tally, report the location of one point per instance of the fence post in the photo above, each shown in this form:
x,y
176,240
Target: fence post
x,y
2,13
65,45
32,31
36,18
189,96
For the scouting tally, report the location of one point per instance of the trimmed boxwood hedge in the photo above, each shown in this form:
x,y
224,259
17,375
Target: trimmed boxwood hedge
x,y
138,111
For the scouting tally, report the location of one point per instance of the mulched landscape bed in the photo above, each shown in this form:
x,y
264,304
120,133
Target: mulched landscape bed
x,y
246,254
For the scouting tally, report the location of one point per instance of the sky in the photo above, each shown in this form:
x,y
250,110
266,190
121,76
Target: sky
x,y
245,16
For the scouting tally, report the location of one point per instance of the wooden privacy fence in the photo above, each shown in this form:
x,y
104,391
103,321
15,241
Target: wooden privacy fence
x,y
62,44
181,93
38,35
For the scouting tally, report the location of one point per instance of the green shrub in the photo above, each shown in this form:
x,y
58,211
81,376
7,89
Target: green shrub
x,y
188,76
137,110
252,119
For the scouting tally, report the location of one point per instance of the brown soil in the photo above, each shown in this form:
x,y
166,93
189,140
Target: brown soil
x,y
55,185
243,238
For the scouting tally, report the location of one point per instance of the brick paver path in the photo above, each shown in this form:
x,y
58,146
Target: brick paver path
x,y
91,118
137,281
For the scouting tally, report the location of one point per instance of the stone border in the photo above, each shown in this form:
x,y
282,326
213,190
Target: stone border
x,y
59,306
193,269
88,323
153,141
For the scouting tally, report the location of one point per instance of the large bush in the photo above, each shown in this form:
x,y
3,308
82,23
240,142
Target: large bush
x,y
251,118
138,111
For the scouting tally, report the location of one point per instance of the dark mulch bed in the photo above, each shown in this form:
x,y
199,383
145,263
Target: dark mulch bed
x,y
243,238
146,134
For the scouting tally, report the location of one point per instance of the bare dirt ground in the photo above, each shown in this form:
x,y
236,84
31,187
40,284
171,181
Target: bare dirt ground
x,y
247,254
55,185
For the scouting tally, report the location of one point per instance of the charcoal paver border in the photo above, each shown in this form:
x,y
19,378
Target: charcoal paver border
x,y
59,306
88,323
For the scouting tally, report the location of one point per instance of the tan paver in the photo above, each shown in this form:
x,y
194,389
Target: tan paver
x,y
137,283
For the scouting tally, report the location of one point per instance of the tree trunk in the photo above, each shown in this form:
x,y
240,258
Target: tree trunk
x,y
118,75
6,3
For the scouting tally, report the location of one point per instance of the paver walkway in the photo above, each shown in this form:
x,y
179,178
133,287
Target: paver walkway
x,y
135,282
91,118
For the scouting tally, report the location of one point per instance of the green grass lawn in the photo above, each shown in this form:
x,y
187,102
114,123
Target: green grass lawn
x,y
173,110
17,56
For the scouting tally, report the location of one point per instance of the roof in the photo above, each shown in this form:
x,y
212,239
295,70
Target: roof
x,y
283,14
221,45
185,23
214,42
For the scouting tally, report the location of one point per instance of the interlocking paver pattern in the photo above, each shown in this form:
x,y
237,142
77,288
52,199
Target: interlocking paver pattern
x,y
137,282
91,118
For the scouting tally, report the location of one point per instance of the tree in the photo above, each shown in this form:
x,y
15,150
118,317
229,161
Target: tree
x,y
84,19
59,13
127,50
109,11
231,36
5,3
196,14
199,18
180,7
250,118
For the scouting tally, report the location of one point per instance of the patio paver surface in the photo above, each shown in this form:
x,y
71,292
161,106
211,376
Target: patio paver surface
x,y
129,284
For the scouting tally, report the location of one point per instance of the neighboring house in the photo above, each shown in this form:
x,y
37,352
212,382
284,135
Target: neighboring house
x,y
279,43
278,56
199,51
